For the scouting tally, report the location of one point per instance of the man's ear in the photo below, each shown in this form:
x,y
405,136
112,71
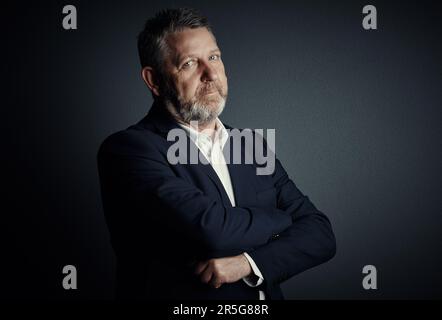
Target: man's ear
x,y
151,79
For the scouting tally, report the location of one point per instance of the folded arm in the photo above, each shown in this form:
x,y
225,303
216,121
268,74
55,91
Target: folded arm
x,y
309,241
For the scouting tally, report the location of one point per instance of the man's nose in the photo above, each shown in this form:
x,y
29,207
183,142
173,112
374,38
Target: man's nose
x,y
209,73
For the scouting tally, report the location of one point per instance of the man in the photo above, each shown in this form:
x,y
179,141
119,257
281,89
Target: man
x,y
213,230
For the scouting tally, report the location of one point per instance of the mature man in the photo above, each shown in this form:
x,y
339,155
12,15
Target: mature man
x,y
213,230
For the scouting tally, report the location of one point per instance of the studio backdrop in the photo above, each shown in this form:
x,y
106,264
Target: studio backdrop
x,y
356,108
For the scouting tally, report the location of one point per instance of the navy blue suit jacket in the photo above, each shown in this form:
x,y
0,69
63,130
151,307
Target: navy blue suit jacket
x,y
162,218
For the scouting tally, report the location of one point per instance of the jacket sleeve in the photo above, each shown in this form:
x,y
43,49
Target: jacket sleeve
x,y
146,178
309,241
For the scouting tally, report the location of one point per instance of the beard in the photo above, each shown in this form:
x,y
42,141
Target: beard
x,y
203,107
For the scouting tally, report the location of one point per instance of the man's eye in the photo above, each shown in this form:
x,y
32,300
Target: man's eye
x,y
188,64
214,57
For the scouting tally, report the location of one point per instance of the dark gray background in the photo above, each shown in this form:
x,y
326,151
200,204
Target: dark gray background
x,y
357,118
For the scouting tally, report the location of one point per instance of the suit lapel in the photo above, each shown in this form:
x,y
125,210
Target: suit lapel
x,y
159,118
210,172
240,175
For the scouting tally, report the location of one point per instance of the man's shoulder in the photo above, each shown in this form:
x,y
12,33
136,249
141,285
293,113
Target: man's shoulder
x,y
133,140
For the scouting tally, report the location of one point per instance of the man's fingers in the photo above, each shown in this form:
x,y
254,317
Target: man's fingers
x,y
206,271
201,266
215,282
206,276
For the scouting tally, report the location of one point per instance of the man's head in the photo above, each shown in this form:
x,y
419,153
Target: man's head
x,y
182,64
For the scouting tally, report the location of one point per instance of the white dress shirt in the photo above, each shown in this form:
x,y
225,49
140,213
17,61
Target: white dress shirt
x,y
212,149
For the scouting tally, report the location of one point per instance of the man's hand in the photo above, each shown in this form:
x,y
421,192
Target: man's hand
x,y
223,270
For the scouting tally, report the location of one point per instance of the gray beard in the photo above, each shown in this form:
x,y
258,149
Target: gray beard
x,y
200,112
195,110
188,111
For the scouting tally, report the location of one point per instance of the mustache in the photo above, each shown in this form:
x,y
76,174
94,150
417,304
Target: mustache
x,y
204,89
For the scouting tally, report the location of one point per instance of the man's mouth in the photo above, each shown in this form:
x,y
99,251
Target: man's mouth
x,y
208,92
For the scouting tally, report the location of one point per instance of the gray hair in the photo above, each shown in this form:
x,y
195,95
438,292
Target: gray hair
x,y
151,44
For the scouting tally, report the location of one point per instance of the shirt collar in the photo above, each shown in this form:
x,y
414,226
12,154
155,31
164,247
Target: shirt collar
x,y
220,134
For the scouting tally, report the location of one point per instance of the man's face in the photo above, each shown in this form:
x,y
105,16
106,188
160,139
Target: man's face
x,y
195,80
